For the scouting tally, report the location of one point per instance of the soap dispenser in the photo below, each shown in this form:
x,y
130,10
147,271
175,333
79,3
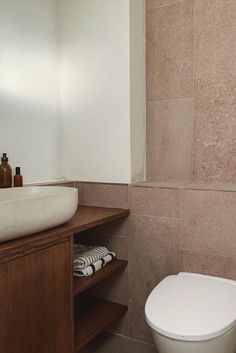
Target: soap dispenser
x,y
5,172
18,179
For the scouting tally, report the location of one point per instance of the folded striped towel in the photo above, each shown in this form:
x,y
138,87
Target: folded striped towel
x,y
96,266
84,255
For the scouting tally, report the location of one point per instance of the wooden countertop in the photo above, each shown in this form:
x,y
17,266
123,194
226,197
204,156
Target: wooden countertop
x,y
86,217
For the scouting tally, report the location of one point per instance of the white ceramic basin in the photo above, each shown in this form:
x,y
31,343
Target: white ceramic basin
x,y
28,210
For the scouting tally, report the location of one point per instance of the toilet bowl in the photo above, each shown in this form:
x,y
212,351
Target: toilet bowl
x,y
193,313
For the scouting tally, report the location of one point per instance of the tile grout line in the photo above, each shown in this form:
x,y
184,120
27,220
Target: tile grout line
x,y
169,99
189,186
193,97
132,339
165,5
207,254
155,217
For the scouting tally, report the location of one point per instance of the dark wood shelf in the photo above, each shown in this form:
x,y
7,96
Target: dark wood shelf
x,y
83,283
93,316
86,217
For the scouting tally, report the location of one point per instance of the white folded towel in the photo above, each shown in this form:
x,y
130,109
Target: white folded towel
x,y
84,255
95,266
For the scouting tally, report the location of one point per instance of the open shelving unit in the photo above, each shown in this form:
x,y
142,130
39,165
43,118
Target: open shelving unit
x,y
64,318
93,315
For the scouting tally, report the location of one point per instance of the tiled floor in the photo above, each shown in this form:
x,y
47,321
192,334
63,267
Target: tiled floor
x,y
107,343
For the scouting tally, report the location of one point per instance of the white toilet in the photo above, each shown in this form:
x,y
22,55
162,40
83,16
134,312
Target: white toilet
x,y
192,313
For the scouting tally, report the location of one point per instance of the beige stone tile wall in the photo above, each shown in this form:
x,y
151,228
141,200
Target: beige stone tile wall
x,y
103,195
191,89
208,238
115,237
154,239
169,51
215,129
149,239
169,230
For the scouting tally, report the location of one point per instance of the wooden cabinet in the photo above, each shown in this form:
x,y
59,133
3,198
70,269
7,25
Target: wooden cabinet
x,y
38,291
35,302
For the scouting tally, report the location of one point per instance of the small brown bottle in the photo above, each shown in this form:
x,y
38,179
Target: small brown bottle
x,y
18,179
5,173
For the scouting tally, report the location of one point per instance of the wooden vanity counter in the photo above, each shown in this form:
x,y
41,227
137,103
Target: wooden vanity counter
x,y
38,290
85,218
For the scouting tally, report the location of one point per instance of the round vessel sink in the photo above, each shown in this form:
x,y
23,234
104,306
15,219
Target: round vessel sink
x,y
32,209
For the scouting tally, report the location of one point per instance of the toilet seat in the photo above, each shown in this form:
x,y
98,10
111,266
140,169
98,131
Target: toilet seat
x,y
192,307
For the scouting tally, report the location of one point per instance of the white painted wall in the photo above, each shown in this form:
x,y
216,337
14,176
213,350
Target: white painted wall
x,y
83,62
95,79
30,130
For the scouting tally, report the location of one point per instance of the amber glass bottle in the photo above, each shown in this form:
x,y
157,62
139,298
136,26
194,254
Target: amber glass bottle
x,y
5,173
18,179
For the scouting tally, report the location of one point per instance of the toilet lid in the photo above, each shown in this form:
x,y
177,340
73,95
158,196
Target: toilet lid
x,y
192,307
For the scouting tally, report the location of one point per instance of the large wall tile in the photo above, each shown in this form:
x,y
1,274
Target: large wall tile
x,y
169,139
104,195
208,222
209,14
169,51
214,53
214,265
214,38
155,202
154,254
215,130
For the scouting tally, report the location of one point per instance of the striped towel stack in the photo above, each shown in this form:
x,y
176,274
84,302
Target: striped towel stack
x,y
90,259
